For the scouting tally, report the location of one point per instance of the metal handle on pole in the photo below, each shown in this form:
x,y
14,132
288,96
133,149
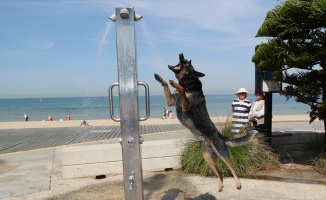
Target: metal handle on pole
x,y
146,102
111,102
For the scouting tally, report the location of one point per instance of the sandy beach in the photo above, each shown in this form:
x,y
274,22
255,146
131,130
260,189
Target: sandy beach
x,y
109,122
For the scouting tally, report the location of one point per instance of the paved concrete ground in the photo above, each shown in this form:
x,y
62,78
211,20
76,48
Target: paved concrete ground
x,y
36,174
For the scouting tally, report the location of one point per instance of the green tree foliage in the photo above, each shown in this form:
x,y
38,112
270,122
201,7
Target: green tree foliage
x,y
296,46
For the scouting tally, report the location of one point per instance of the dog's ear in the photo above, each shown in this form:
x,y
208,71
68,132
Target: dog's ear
x,y
181,57
198,74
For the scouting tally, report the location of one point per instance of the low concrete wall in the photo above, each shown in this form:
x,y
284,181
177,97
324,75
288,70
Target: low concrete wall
x,y
106,159
298,146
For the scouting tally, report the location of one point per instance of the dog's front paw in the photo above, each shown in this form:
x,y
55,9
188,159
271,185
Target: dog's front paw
x,y
159,79
173,84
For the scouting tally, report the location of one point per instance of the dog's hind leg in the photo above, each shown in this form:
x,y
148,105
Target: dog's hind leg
x,y
211,160
182,93
224,155
168,97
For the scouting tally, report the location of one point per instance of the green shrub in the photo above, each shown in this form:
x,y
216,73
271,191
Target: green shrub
x,y
246,159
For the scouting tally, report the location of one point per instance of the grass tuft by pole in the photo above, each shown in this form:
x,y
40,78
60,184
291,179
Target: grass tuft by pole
x,y
246,159
320,163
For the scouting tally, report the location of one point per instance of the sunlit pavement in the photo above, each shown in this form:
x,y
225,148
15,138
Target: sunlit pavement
x,y
36,174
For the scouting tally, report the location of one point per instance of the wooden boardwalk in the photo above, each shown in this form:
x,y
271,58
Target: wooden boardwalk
x,y
15,140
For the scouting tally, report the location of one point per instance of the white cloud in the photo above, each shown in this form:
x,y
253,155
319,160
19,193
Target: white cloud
x,y
221,15
38,45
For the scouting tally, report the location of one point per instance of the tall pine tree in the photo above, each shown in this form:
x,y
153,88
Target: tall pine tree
x,y
296,46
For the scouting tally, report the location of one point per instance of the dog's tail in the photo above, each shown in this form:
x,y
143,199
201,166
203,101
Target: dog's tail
x,y
235,142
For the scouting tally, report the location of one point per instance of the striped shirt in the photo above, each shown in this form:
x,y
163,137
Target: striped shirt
x,y
240,117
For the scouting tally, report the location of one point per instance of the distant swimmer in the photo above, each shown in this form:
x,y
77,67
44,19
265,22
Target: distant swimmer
x,y
67,117
84,123
50,118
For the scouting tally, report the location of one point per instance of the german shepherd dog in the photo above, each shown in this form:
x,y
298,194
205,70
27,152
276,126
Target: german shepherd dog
x,y
192,112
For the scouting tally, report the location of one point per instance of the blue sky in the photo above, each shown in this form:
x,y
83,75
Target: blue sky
x,y
59,49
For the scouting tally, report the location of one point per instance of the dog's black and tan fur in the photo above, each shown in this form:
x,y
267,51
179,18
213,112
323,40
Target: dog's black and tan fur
x,y
192,112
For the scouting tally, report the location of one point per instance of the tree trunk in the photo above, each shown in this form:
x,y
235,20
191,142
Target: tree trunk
x,y
323,72
324,147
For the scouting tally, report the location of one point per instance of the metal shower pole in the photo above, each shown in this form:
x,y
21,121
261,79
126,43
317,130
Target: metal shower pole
x,y
128,93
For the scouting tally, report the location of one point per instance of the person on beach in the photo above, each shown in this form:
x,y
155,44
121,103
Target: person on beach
x,y
26,117
84,123
257,112
50,118
67,117
240,111
170,115
165,111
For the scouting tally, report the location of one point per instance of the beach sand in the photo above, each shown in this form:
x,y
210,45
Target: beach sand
x,y
107,122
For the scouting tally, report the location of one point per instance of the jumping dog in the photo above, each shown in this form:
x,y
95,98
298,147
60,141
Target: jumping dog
x,y
191,111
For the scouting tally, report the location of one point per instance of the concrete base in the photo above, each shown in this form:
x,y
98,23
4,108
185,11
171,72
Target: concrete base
x,y
301,147
106,159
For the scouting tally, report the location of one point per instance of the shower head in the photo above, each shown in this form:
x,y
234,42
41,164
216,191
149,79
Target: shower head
x,y
124,14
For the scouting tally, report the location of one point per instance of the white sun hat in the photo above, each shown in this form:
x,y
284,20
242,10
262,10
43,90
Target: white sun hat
x,y
241,90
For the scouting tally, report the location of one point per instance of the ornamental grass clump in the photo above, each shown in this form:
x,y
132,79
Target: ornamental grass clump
x,y
320,163
246,159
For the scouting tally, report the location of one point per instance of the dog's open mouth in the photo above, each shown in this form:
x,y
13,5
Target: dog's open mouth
x,y
178,67
175,68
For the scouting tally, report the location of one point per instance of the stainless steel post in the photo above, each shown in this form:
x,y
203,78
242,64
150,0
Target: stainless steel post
x,y
128,91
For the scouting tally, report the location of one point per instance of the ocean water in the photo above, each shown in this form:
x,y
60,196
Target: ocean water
x,y
92,108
